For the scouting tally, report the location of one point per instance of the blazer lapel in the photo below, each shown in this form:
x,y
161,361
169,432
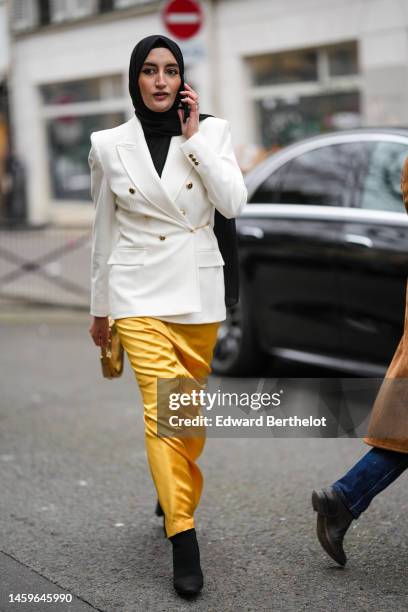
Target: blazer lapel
x,y
136,160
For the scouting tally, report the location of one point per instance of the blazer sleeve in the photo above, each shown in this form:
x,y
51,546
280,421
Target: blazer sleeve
x,y
104,234
219,171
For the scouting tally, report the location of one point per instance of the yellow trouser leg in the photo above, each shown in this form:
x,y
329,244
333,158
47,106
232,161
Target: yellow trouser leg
x,y
166,350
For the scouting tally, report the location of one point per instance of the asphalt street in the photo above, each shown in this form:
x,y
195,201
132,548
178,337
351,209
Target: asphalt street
x,y
76,498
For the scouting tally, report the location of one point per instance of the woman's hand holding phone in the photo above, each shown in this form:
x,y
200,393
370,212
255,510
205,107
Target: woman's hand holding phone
x,y
189,98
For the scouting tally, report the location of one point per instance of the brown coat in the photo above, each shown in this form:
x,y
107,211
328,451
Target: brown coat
x,y
388,424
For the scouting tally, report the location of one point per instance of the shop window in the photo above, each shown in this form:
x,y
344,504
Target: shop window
x,y
118,4
68,148
72,110
303,92
24,14
343,59
288,67
85,90
63,10
286,120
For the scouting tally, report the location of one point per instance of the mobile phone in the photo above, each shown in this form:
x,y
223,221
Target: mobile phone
x,y
186,109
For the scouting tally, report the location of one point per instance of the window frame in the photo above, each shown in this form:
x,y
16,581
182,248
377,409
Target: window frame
x,y
325,83
71,10
24,15
79,109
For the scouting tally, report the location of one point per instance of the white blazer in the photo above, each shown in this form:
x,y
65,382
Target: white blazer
x,y
154,251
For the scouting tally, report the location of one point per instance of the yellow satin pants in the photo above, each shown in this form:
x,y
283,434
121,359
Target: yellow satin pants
x,y
160,349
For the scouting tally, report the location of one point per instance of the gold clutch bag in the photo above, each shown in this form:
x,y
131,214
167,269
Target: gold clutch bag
x,y
112,356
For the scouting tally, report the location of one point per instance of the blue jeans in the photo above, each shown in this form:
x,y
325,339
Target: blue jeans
x,y
368,477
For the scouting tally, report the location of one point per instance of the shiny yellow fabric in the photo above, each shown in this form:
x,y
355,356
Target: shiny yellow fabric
x,y
160,349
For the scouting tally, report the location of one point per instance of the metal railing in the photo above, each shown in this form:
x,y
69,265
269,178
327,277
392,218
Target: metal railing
x,y
49,266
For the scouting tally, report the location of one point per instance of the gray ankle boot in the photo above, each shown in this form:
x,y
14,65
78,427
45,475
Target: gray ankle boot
x,y
333,520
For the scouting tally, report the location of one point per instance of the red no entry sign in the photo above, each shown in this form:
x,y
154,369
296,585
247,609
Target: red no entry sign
x,y
182,18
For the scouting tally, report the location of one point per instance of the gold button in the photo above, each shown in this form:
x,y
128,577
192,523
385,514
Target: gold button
x,y
196,163
191,155
131,190
183,212
162,237
192,231
146,216
189,185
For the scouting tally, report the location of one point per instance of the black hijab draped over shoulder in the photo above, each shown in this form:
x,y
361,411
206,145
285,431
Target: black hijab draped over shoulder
x,y
159,128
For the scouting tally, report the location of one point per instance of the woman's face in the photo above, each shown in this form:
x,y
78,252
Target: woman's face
x,y
159,73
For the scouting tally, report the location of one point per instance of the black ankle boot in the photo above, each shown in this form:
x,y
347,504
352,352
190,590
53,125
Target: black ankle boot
x,y
188,577
333,521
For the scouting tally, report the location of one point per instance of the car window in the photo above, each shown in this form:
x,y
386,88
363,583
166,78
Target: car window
x,y
269,191
380,189
327,176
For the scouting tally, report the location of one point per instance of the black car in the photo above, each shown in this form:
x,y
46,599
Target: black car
x,y
323,246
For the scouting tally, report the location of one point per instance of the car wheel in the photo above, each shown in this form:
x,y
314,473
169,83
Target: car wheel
x,y
236,351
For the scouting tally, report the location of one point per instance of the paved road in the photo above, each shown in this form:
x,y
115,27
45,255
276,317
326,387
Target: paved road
x,y
76,501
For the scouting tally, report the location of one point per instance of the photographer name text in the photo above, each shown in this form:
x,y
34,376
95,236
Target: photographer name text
x,y
259,421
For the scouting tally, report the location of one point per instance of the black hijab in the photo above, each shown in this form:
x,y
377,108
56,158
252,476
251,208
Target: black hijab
x,y
158,127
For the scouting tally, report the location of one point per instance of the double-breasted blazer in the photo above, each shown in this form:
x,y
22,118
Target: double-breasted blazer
x,y
154,251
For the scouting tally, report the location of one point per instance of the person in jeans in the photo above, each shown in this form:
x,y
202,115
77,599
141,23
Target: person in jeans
x,y
342,502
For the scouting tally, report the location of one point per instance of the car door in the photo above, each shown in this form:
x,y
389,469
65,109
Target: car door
x,y
373,263
289,237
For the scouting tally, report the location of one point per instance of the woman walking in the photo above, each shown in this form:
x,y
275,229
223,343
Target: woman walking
x,y
156,182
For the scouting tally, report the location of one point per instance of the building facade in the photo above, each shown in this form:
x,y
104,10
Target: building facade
x,y
277,70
